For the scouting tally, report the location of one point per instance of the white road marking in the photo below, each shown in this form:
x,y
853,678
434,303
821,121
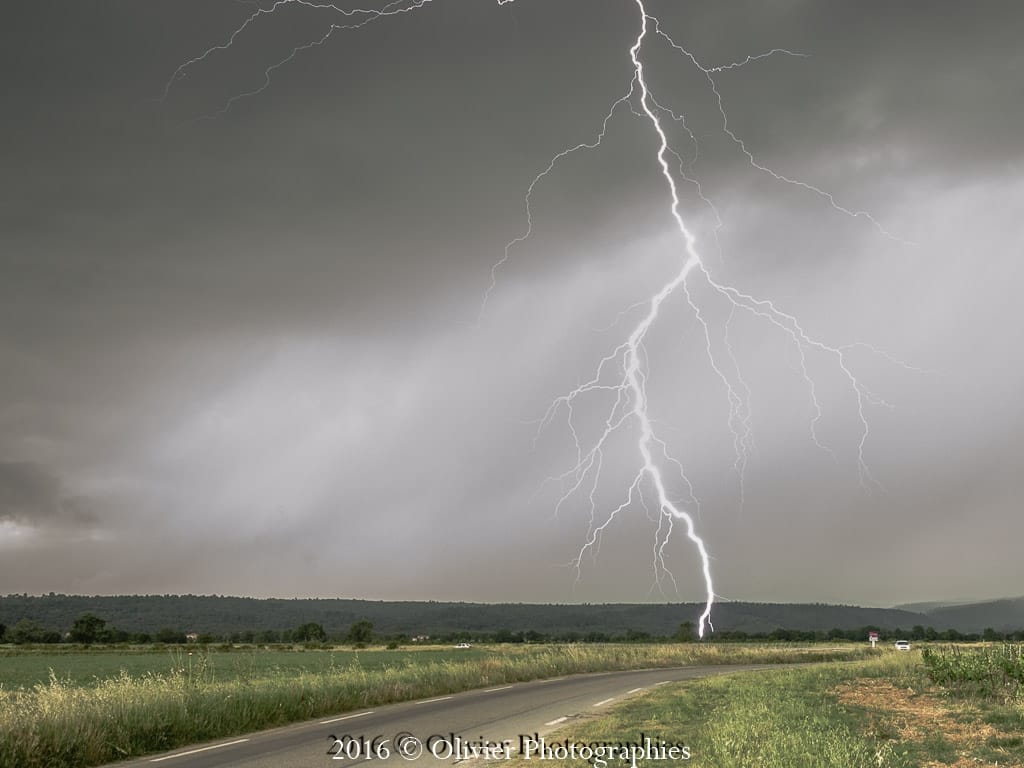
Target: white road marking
x,y
195,751
635,690
663,682
501,688
556,721
346,717
604,702
430,701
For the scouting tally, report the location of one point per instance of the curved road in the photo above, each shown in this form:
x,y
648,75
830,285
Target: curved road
x,y
491,714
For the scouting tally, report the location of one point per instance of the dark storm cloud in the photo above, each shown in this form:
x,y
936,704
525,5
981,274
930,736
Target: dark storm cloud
x,y
921,82
258,333
32,495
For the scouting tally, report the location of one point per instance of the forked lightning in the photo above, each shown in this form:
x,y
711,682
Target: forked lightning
x,y
623,372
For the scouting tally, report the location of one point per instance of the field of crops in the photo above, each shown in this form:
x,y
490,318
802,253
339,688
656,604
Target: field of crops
x,y
995,672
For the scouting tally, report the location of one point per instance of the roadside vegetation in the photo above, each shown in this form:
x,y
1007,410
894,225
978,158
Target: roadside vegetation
x,y
955,706
64,723
994,673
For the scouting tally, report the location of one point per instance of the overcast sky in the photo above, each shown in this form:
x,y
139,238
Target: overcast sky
x,y
242,355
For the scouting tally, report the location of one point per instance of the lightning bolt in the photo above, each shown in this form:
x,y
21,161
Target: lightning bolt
x,y
360,18
630,403
623,373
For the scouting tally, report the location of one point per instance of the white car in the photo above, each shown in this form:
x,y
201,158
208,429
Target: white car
x,y
462,645
902,645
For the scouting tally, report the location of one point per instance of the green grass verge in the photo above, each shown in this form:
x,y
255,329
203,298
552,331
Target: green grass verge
x,y
883,713
773,719
59,724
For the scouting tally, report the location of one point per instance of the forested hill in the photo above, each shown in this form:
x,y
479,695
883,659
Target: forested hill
x,y
222,615
1001,615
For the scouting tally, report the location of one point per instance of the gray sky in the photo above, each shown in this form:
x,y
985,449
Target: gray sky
x,y
242,355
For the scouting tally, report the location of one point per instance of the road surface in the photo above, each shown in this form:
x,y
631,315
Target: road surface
x,y
458,722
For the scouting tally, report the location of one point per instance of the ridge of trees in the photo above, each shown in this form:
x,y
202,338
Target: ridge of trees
x,y
89,629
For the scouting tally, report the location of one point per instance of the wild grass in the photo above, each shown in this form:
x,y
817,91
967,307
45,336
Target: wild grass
x,y
86,667
59,724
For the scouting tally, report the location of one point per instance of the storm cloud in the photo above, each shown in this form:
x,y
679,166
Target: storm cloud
x,y
31,495
258,337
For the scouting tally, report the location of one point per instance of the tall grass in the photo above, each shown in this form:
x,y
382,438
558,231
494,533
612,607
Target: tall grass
x,y
60,725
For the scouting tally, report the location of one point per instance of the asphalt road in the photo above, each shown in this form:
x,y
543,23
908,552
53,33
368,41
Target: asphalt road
x,y
490,715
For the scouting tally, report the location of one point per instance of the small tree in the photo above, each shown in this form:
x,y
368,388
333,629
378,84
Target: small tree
x,y
685,633
87,628
169,635
27,631
309,633
360,633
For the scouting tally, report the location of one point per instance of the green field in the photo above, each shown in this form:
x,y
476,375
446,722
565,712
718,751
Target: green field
x,y
24,668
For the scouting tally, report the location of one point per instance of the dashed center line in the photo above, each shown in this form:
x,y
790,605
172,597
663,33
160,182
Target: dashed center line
x,y
556,721
604,702
346,717
430,701
500,688
635,690
196,751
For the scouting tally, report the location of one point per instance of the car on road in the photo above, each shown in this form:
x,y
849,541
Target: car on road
x,y
462,645
902,645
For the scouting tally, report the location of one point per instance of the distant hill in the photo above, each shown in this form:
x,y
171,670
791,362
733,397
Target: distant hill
x,y
1002,615
931,606
222,615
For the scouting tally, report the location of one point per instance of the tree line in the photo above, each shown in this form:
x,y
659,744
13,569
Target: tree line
x,y
89,629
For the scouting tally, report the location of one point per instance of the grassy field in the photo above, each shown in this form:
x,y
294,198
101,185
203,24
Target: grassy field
x,y
886,712
99,715
26,668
